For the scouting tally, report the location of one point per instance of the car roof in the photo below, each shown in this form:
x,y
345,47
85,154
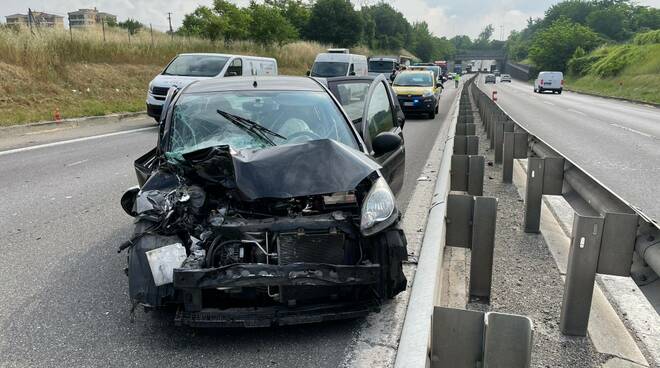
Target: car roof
x,y
281,83
418,71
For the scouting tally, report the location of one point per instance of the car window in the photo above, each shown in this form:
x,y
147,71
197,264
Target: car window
x,y
196,65
414,80
379,114
352,96
298,116
381,66
329,69
235,68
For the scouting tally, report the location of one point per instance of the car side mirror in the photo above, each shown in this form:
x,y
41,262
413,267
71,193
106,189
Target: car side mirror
x,y
351,73
308,73
128,201
385,142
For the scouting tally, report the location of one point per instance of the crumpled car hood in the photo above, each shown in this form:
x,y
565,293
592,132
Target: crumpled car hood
x,y
294,170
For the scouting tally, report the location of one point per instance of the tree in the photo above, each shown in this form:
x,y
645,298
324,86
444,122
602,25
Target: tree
x,y
553,47
268,25
575,10
609,22
224,21
132,25
335,22
461,42
385,28
484,37
295,11
235,19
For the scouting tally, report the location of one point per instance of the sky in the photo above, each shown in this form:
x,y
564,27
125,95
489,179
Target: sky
x,y
445,17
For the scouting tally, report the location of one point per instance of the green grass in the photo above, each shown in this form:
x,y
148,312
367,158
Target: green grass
x,y
630,71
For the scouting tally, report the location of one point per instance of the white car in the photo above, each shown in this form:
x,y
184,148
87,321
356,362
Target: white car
x,y
549,81
187,68
505,78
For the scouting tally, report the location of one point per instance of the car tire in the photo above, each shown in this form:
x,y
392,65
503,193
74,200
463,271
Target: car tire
x,y
559,92
437,108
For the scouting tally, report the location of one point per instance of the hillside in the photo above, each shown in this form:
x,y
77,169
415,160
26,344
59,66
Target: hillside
x,y
82,75
630,71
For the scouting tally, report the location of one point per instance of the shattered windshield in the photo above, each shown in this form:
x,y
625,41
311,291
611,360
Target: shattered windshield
x,y
238,119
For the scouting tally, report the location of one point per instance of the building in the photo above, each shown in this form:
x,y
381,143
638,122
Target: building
x,y
83,18
39,19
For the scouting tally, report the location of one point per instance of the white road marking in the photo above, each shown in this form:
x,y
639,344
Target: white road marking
x,y
76,163
548,103
632,130
60,143
577,112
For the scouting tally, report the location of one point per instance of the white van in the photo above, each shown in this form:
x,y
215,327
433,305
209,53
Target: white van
x,y
549,81
187,68
339,63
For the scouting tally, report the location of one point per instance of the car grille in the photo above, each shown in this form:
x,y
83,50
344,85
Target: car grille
x,y
159,91
311,248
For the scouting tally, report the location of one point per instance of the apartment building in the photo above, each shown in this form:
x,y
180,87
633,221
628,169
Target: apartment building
x,y
39,19
83,18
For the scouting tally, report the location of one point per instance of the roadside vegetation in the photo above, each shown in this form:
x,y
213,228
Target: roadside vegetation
x,y
82,75
605,47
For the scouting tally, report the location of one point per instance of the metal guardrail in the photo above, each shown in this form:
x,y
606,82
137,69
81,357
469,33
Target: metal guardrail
x,y
434,336
606,230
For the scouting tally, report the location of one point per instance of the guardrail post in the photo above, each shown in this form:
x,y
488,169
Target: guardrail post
x,y
467,174
483,243
507,159
581,274
534,194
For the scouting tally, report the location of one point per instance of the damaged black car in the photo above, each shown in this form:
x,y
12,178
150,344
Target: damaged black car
x,y
264,204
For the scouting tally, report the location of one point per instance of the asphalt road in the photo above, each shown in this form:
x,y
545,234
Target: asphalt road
x,y
63,295
616,142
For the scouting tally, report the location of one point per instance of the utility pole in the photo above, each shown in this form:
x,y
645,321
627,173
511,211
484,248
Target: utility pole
x,y
169,18
501,33
30,20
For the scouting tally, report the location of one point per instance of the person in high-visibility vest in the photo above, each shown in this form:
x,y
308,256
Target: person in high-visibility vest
x,y
457,79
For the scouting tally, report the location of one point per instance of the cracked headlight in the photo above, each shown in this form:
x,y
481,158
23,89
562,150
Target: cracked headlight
x,y
378,209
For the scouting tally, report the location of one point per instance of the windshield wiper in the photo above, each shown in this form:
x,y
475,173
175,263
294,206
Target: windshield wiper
x,y
251,126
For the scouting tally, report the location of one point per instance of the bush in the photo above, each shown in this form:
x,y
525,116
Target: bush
x,y
647,38
615,60
553,47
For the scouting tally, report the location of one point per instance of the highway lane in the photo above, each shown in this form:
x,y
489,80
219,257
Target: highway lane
x,y
616,142
63,299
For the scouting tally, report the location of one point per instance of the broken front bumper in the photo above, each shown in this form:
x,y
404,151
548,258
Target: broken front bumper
x,y
295,274
191,282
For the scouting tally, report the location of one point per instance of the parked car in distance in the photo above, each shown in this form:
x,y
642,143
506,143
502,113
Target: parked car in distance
x,y
418,91
549,81
505,78
339,63
187,68
219,239
490,78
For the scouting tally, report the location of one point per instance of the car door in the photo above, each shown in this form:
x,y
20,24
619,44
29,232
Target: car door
x,y
351,92
380,115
